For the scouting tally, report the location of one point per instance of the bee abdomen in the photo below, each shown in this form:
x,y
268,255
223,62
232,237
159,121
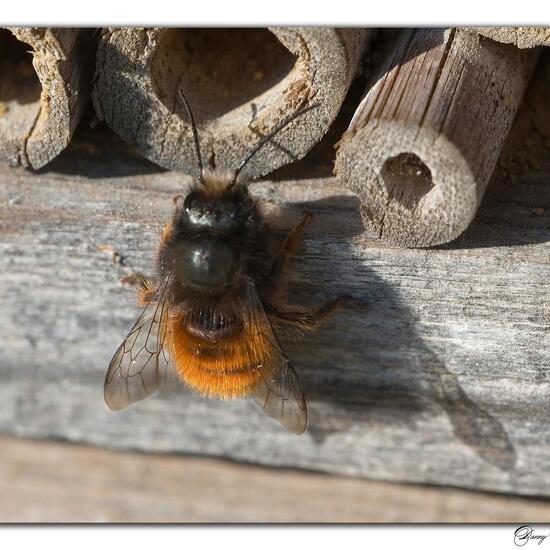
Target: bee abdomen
x,y
227,367
213,327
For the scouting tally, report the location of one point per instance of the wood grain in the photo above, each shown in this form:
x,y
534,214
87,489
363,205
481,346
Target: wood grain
x,y
444,380
45,81
240,83
425,139
56,482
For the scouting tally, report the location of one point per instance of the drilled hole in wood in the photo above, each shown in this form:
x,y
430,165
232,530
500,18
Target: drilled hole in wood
x,y
221,71
20,88
407,179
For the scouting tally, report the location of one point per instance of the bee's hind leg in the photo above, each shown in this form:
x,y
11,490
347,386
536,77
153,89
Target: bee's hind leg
x,y
305,319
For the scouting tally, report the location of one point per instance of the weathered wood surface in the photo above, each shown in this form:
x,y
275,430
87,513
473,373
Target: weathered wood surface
x,y
56,482
241,83
445,380
43,93
522,37
425,139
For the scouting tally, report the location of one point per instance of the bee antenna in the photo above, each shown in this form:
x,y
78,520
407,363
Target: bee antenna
x,y
195,136
268,138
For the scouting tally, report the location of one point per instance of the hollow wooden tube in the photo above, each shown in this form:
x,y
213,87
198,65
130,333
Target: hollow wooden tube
x,y
240,83
45,76
425,139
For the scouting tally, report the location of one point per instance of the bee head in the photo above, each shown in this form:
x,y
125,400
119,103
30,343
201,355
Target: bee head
x,y
218,207
220,204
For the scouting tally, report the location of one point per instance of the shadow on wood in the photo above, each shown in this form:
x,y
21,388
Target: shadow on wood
x,y
389,392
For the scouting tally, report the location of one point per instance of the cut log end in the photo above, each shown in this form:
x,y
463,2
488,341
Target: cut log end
x,y
240,83
20,97
424,141
44,86
415,187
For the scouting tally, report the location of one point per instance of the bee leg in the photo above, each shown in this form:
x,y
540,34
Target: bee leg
x,y
310,319
146,291
290,246
165,233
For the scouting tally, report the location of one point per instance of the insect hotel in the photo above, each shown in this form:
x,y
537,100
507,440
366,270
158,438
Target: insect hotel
x,y
346,229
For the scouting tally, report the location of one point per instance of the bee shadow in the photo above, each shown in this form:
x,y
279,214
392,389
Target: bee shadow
x,y
372,367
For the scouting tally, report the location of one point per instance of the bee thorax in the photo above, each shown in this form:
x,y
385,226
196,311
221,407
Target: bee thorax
x,y
205,262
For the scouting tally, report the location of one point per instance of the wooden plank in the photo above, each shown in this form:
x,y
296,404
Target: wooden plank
x,y
444,380
55,482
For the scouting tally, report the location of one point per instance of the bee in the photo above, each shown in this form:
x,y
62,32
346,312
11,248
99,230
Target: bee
x,y
209,315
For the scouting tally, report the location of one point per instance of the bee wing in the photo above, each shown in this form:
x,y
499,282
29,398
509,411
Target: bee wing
x,y
278,393
141,364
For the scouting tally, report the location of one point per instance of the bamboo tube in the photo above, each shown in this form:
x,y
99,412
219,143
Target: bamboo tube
x,y
522,37
425,139
240,84
44,86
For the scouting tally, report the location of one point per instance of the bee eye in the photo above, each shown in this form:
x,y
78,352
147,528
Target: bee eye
x,y
188,203
191,202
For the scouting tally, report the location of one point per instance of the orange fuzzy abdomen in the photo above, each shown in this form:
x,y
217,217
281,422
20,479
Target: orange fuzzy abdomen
x,y
229,367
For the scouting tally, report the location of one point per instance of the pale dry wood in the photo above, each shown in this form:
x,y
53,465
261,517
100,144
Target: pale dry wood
x,y
444,380
522,37
240,83
42,93
56,482
425,139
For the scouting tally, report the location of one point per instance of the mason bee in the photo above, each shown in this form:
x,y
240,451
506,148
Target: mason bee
x,y
209,314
